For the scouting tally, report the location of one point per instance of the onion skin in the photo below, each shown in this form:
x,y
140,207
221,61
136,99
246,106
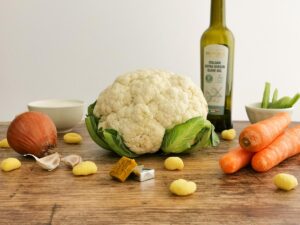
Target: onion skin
x,y
32,133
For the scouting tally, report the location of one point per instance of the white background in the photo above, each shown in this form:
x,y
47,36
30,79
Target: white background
x,y
74,49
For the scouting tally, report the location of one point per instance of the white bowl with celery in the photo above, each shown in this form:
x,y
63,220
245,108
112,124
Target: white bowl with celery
x,y
268,107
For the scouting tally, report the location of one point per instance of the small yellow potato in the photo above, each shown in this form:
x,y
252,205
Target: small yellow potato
x,y
10,164
228,134
285,181
4,143
174,163
85,168
183,187
72,138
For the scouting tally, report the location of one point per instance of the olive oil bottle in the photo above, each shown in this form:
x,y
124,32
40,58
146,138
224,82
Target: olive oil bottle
x,y
217,54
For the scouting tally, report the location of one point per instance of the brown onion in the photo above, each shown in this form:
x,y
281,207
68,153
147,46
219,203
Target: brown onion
x,y
32,133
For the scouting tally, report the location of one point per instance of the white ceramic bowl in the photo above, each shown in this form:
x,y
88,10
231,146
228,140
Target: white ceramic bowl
x,y
65,114
255,113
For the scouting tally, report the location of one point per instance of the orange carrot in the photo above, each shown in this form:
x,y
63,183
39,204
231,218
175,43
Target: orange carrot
x,y
235,159
259,135
285,146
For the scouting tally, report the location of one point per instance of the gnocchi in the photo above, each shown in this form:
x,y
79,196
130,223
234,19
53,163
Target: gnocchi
x,y
10,164
228,134
72,138
174,163
85,168
285,181
4,143
183,187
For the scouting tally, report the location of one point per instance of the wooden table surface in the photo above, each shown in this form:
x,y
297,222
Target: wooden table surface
x,y
31,195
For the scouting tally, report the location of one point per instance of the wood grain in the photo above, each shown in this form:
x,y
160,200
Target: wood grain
x,y
31,195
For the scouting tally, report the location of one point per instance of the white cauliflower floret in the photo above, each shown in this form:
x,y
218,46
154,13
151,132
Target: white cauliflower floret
x,y
142,104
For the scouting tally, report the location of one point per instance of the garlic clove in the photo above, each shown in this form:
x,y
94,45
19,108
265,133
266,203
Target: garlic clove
x,y
49,162
71,160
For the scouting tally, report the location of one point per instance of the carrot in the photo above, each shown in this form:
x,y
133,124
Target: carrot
x,y
285,146
235,159
259,135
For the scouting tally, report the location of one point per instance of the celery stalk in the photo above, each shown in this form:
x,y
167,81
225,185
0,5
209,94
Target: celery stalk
x,y
266,96
275,95
294,99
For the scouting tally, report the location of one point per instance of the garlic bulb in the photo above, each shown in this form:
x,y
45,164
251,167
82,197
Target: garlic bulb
x,y
49,162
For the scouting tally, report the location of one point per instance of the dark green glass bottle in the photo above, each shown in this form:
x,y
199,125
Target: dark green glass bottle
x,y
217,54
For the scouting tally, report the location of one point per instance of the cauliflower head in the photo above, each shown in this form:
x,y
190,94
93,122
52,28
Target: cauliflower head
x,y
141,105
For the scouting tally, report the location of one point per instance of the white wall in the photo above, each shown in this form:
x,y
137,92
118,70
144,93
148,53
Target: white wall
x,y
73,48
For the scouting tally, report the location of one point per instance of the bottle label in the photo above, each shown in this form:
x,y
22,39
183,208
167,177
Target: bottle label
x,y
215,74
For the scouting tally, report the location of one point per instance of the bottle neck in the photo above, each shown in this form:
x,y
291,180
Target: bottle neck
x,y
217,14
